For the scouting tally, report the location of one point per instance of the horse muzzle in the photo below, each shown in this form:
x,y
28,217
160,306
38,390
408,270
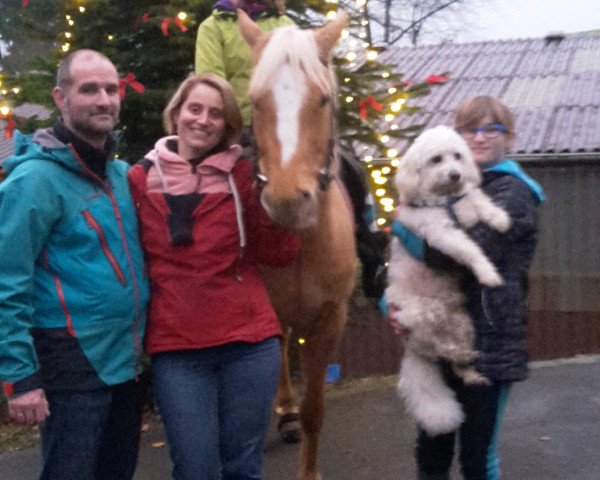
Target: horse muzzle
x,y
297,212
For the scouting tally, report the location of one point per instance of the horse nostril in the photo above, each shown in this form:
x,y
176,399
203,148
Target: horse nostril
x,y
305,195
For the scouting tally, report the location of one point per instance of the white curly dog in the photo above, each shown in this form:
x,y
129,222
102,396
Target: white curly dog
x,y
437,169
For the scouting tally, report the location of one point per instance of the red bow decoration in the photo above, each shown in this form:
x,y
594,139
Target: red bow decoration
x,y
165,25
433,78
9,128
146,17
366,103
24,3
132,82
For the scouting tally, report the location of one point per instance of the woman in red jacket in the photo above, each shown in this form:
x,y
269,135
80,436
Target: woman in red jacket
x,y
212,333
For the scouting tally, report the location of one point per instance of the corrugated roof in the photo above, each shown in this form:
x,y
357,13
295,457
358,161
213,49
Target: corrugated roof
x,y
553,87
26,110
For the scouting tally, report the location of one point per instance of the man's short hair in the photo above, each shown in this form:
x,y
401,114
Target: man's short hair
x,y
63,74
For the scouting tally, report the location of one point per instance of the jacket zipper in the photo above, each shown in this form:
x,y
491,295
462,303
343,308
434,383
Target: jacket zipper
x,y
136,290
94,225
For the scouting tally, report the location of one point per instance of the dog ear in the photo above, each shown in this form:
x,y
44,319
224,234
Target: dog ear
x,y
407,179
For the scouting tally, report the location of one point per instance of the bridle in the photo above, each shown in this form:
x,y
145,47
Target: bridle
x,y
324,175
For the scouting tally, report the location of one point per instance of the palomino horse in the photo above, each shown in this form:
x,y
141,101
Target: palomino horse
x,y
293,95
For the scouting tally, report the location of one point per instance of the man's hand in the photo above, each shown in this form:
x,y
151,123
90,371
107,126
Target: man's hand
x,y
397,327
30,408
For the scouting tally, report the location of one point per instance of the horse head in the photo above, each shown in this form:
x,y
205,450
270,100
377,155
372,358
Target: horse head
x,y
293,94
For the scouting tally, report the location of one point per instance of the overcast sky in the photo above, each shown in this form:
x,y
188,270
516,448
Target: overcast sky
x,y
509,19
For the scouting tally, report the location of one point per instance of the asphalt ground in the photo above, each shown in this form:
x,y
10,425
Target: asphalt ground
x,y
551,432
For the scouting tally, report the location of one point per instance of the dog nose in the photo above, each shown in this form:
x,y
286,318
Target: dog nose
x,y
455,176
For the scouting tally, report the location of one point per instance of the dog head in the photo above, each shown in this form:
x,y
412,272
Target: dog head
x,y
438,164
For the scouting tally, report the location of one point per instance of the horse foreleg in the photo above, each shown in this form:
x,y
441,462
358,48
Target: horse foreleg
x,y
285,403
315,355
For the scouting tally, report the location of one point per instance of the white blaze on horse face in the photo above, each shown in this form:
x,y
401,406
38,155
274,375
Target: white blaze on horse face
x,y
288,92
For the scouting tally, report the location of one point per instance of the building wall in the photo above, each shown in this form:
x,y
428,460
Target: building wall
x,y
564,296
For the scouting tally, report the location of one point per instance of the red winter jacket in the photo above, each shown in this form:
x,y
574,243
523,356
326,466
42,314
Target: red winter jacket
x,y
205,285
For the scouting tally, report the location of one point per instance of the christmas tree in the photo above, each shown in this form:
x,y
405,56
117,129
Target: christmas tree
x,y
152,45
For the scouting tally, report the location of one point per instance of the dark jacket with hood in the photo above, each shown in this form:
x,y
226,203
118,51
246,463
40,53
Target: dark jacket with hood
x,y
499,314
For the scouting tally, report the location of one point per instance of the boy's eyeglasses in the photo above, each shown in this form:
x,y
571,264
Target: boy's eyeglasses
x,y
488,131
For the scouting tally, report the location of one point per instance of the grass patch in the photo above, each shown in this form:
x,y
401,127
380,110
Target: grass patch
x,y
16,437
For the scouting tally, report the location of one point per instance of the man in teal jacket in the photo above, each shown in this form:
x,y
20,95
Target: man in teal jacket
x,y
72,288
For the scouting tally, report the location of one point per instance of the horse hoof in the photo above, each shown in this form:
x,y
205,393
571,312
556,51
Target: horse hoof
x,y
289,427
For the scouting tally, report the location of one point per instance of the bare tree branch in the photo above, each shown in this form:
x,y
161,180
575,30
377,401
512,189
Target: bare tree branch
x,y
416,26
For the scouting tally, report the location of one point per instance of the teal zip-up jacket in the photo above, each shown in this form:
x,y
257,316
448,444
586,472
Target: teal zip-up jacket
x,y
73,292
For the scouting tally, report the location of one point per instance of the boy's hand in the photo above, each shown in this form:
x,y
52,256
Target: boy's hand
x,y
397,327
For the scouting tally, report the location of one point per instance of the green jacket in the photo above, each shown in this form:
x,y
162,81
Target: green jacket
x,y
220,49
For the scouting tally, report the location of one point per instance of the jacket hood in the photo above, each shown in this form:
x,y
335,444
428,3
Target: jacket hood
x,y
176,176
42,145
254,9
511,167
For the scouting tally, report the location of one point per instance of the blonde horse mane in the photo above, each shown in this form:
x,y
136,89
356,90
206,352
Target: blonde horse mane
x,y
299,49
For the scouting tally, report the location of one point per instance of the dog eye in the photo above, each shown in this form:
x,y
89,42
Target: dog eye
x,y
324,101
458,156
436,159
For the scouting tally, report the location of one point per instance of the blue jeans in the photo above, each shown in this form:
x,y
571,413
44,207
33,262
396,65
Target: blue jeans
x,y
92,435
216,405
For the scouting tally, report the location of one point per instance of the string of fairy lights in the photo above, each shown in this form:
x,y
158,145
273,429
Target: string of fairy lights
x,y
81,9
354,46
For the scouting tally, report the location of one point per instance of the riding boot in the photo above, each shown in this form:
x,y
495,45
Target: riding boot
x,y
433,476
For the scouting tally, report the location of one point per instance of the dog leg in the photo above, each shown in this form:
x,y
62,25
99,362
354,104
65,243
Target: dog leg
x,y
427,397
456,354
476,207
459,246
469,375
433,226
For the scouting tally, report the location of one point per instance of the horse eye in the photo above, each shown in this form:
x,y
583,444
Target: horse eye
x,y
458,156
436,159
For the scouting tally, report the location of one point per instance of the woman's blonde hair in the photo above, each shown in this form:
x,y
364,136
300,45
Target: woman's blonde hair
x,y
470,113
231,112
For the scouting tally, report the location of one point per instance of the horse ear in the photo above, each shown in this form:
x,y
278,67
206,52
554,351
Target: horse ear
x,y
250,31
328,34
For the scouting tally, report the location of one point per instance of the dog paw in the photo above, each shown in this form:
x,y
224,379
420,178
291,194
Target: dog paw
x,y
488,276
472,377
501,221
